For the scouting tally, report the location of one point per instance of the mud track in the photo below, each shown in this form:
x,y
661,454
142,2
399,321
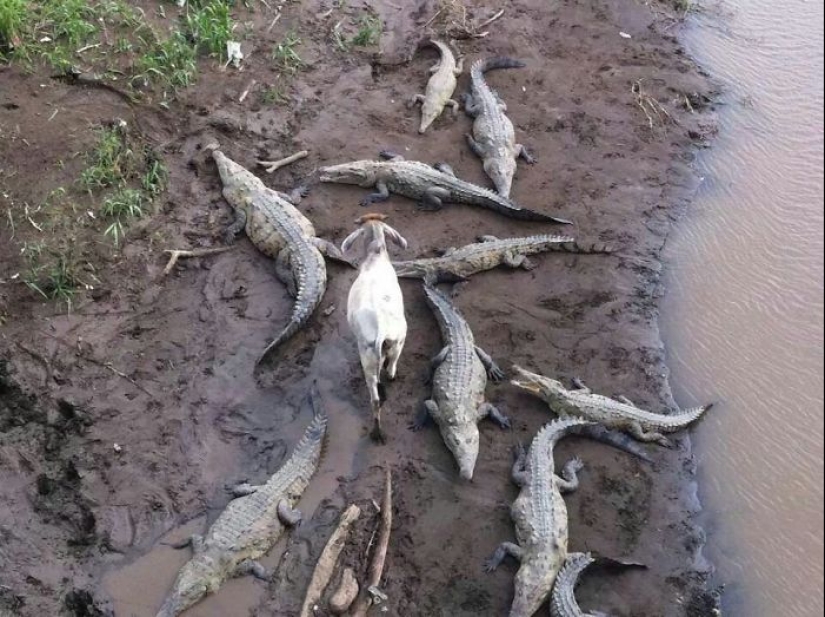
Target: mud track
x,y
163,367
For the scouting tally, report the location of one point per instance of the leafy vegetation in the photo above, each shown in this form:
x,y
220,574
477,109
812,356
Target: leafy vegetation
x,y
369,31
12,14
135,173
67,33
285,55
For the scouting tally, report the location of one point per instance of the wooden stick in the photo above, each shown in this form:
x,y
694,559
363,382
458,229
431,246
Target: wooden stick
x,y
245,93
494,18
177,254
376,570
272,166
328,560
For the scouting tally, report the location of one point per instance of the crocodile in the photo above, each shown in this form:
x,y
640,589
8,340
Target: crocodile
x,y
540,517
622,414
431,185
457,264
493,138
279,230
440,87
563,602
460,373
251,524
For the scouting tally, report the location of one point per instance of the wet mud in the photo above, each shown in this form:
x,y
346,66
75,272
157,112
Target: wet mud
x,y
162,367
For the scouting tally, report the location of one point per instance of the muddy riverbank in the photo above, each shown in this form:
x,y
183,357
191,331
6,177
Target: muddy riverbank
x,y
163,367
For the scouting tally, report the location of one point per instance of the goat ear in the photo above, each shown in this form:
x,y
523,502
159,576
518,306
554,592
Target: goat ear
x,y
395,236
347,244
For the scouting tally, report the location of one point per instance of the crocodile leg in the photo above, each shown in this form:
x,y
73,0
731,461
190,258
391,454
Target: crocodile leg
x,y
626,401
459,67
475,146
243,489
520,474
237,226
295,196
445,169
568,481
389,155
578,384
508,548
436,362
283,270
248,566
454,105
515,261
381,195
433,198
487,410
195,541
289,516
330,250
470,106
425,416
493,371
639,433
617,439
418,99
522,152
488,238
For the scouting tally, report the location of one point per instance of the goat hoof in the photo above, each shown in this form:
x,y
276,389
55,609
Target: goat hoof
x,y
377,435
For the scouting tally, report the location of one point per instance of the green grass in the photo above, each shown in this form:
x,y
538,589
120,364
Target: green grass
x,y
65,33
53,274
133,175
369,31
171,62
111,161
12,14
210,26
274,95
285,55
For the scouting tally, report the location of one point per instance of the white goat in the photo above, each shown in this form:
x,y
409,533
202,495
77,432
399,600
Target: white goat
x,y
375,308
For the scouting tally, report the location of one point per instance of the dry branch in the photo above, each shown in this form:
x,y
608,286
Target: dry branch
x,y
176,254
376,570
329,558
272,166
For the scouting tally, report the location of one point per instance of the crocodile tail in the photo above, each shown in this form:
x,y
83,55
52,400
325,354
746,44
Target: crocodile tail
x,y
296,323
524,214
615,439
563,602
553,432
318,427
573,246
491,64
309,297
689,416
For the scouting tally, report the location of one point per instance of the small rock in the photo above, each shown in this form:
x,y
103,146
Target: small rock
x,y
348,590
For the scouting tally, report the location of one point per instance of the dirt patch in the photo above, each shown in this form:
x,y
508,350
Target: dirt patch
x,y
160,404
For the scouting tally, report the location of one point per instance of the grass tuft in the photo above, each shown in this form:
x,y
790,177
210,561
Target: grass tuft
x,y
369,31
12,13
53,274
285,55
171,62
209,27
110,162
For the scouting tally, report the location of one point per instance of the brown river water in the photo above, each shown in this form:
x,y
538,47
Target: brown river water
x,y
743,316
